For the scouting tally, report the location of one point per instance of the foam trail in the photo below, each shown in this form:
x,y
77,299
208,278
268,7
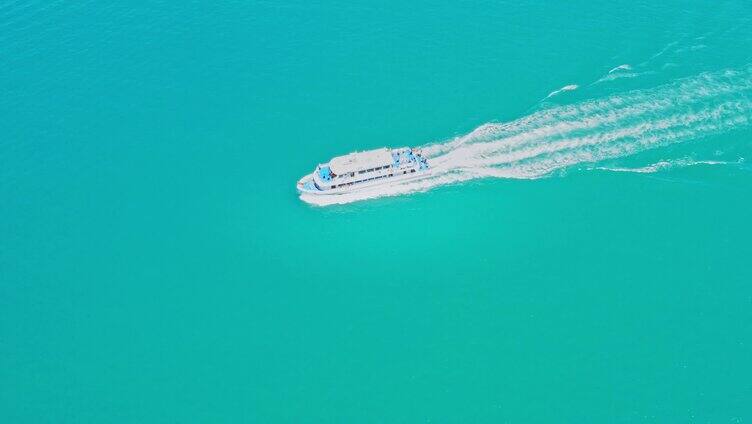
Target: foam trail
x,y
591,131
664,49
612,76
663,165
625,67
570,87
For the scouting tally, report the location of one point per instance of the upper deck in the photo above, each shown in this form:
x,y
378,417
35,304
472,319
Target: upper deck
x,y
361,161
363,167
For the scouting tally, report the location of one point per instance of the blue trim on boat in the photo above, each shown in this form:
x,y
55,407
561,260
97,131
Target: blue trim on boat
x,y
325,173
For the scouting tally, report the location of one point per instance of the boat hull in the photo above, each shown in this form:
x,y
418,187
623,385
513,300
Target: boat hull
x,y
306,186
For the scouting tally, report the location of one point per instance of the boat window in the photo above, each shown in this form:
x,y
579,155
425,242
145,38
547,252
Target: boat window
x,y
412,170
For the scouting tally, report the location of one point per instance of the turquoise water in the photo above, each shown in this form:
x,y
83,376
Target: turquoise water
x,y
583,257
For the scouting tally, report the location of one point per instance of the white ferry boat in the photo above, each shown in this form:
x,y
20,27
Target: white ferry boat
x,y
359,170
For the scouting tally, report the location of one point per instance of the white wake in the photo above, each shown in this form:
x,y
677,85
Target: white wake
x,y
570,87
666,164
587,132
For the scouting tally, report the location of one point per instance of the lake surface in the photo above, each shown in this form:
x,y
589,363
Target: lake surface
x,y
583,257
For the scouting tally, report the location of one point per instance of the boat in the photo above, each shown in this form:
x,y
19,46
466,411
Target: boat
x,y
360,170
